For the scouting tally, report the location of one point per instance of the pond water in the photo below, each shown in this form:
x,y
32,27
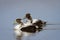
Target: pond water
x,y
52,32
47,10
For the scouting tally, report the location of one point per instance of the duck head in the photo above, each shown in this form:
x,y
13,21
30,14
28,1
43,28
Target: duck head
x,y
18,21
28,16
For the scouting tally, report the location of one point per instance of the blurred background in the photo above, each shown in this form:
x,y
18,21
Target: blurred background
x,y
47,10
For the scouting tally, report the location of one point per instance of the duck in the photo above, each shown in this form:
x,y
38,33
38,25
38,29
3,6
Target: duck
x,y
37,22
24,29
17,28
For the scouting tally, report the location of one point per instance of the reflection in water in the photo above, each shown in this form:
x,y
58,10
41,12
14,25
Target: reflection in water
x,y
25,36
28,33
18,38
48,27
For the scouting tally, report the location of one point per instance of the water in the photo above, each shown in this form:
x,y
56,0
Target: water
x,y
8,34
48,10
52,32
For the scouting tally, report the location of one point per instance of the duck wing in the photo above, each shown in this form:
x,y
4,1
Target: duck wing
x,y
29,29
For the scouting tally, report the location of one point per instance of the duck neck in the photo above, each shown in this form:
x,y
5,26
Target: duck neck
x,y
21,23
30,20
